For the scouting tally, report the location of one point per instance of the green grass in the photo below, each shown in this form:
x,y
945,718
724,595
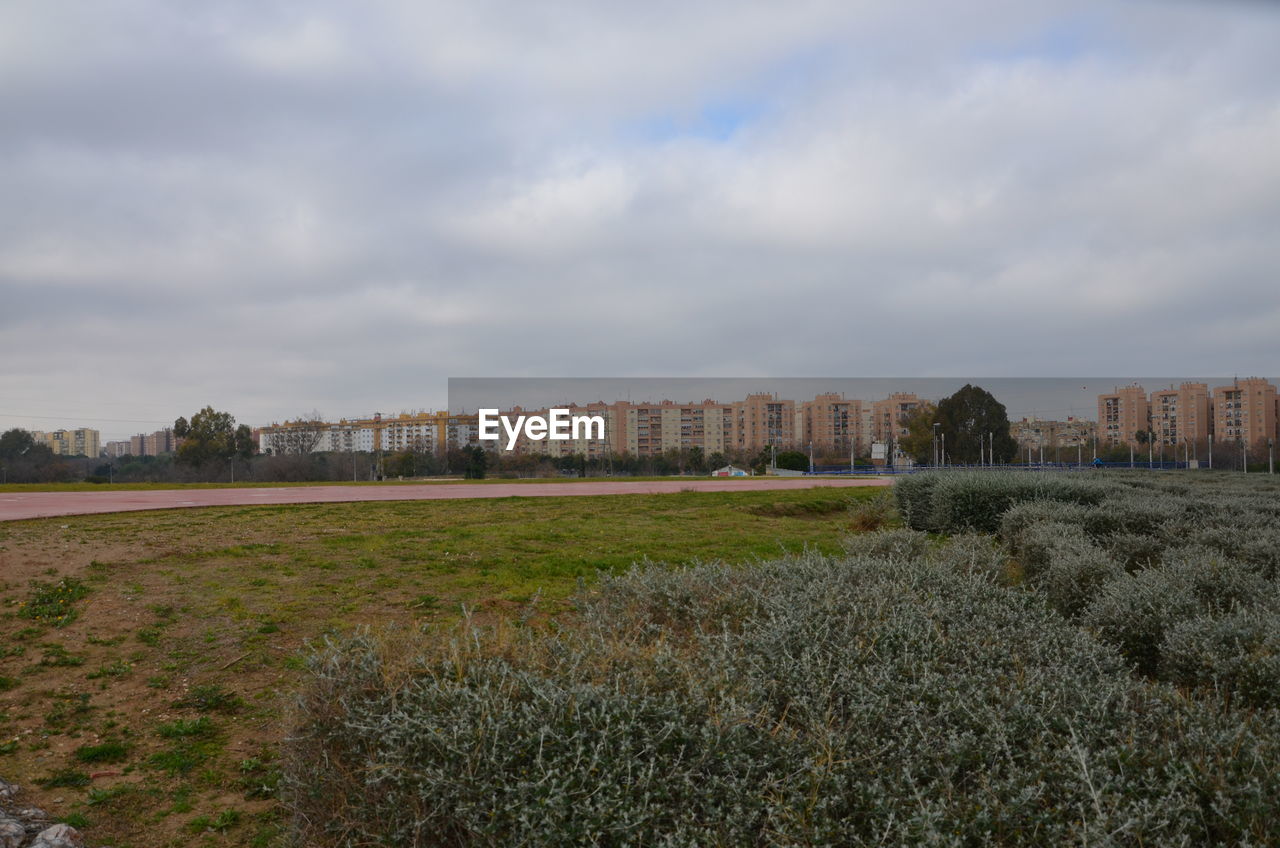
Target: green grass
x,y
192,624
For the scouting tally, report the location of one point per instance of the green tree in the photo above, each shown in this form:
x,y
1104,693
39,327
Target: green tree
x,y
967,417
477,462
918,443
212,436
717,460
793,460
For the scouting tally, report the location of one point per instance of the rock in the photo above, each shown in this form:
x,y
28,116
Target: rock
x,y
59,836
34,818
12,833
8,790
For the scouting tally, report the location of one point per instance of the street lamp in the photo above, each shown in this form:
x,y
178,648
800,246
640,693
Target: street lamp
x,y
935,444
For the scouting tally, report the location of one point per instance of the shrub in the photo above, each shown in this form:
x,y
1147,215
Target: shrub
x,y
1038,545
1237,654
874,513
1074,577
890,544
978,501
914,495
813,701
1133,612
1135,550
974,553
1022,516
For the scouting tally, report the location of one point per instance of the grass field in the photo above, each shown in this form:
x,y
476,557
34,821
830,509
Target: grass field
x,y
147,659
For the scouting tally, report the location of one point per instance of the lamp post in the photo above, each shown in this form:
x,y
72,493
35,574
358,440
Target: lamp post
x,y
935,444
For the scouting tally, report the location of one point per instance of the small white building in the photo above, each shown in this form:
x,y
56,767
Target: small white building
x,y
729,471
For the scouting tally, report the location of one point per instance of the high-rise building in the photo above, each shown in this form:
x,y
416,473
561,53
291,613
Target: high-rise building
x,y
887,415
833,424
763,420
79,442
1181,416
1122,414
1245,411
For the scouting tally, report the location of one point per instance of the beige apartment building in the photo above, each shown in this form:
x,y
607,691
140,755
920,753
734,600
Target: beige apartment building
x,y
1037,433
1122,414
887,415
79,442
832,423
1245,411
1182,415
763,420
650,429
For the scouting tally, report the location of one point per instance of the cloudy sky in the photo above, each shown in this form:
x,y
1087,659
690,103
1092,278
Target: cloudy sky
x,y
275,207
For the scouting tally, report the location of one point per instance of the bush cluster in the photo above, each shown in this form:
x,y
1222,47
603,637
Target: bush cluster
x,y
888,699
1178,575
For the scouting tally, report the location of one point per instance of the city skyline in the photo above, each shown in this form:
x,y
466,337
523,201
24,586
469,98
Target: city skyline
x,y
1052,398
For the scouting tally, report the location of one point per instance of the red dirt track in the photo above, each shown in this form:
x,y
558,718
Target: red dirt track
x,y
15,506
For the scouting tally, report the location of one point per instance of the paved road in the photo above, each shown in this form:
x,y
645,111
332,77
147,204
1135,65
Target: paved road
x,y
15,506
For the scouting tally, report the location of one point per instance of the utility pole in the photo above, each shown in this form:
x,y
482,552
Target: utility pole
x,y
943,457
935,444
1245,444
1271,456
1210,451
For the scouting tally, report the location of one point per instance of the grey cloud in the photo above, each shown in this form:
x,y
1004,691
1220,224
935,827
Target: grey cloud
x,y
281,207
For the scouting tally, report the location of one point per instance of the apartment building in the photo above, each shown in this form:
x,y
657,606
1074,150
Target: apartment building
x,y
833,424
763,420
650,429
887,415
1182,415
1122,414
433,432
1036,433
82,441
1245,411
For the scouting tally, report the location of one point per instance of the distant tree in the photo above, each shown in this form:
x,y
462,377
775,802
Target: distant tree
x,y
244,445
695,460
477,462
717,460
15,443
301,436
25,460
918,443
967,417
211,436
793,460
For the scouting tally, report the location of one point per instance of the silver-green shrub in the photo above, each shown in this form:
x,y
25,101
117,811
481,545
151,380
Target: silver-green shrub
x,y
1134,611
1236,655
808,701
